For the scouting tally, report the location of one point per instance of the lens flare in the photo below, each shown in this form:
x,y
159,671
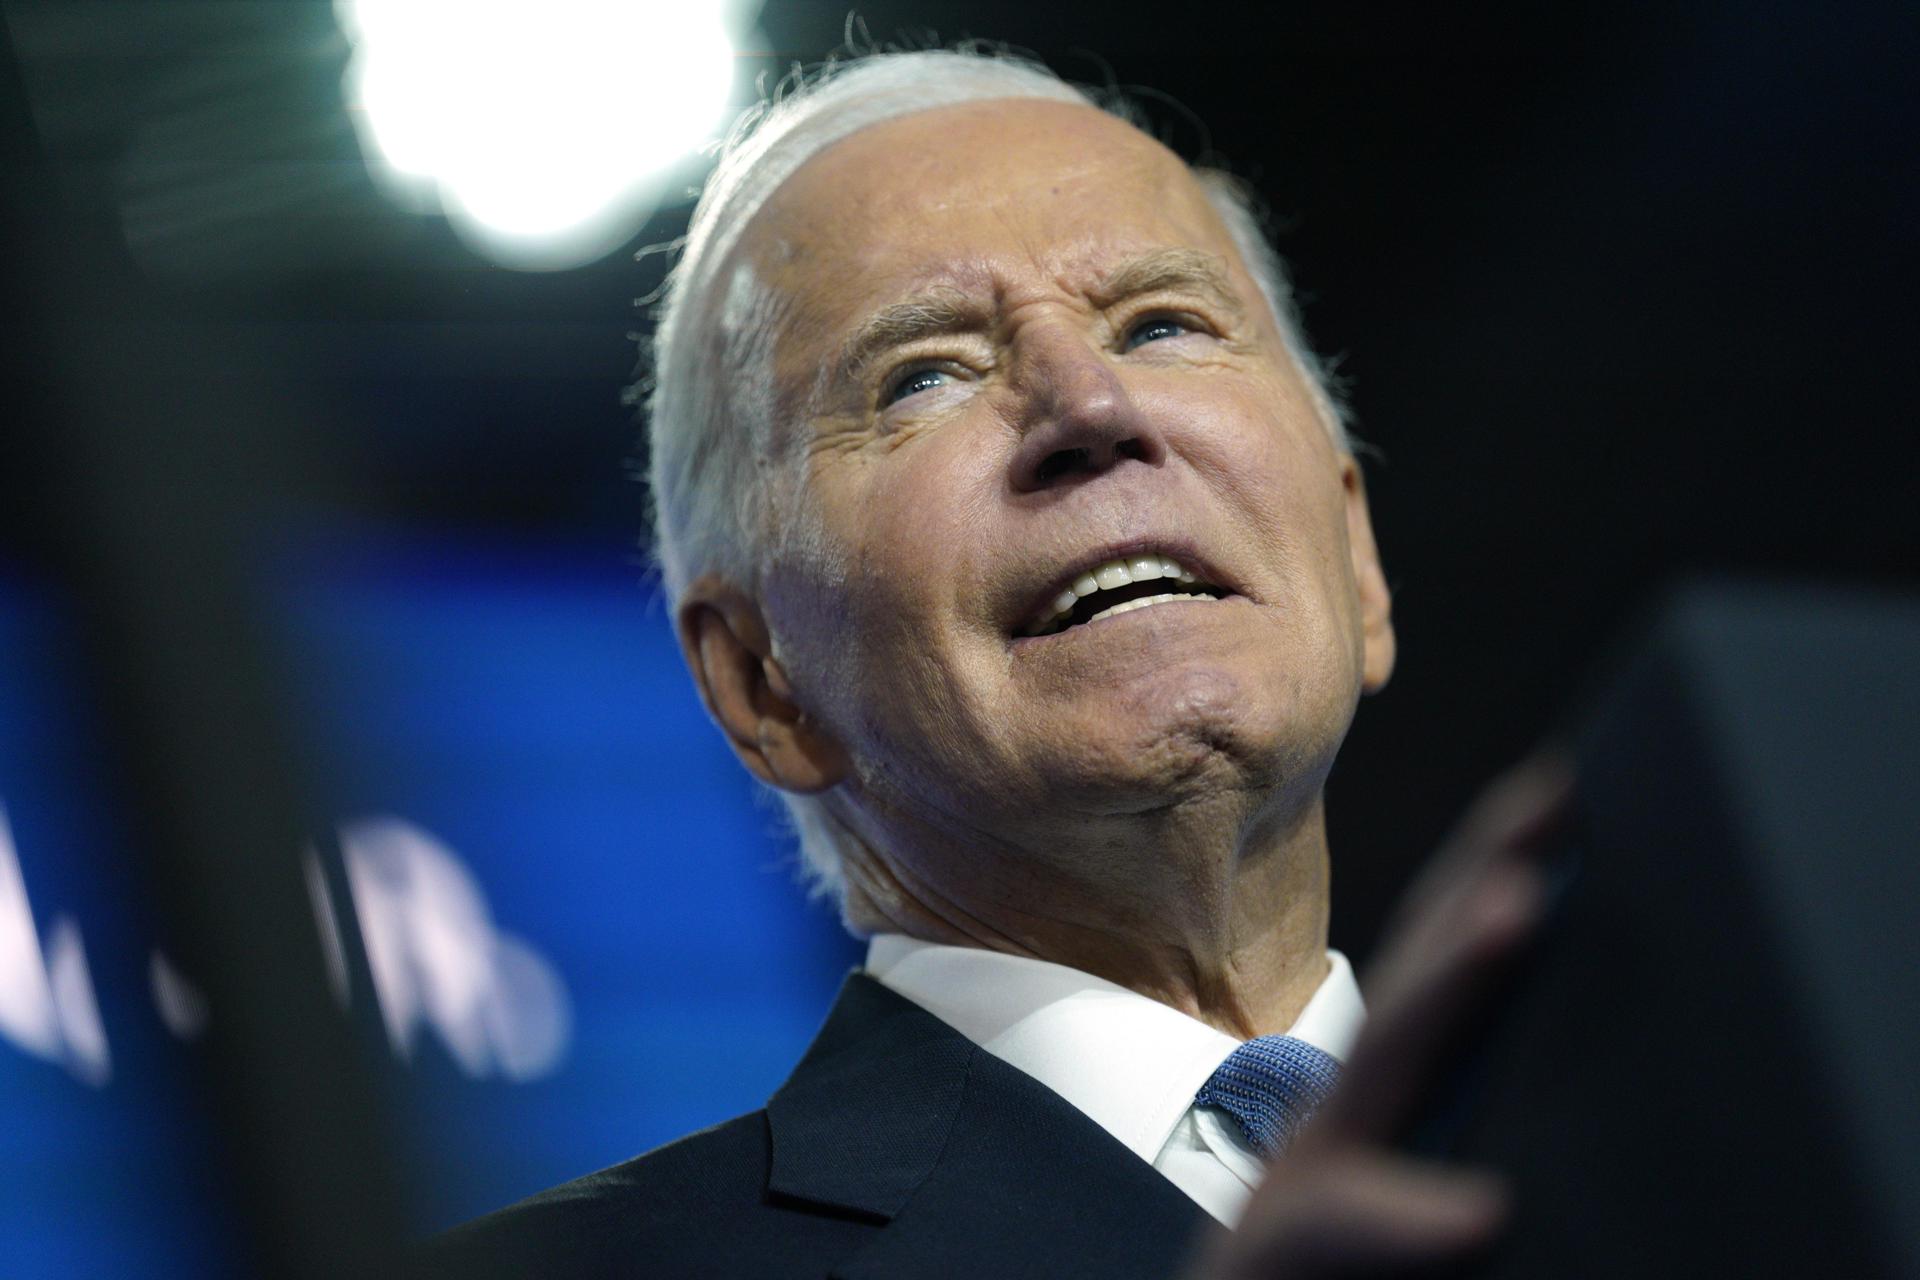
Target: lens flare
x,y
543,131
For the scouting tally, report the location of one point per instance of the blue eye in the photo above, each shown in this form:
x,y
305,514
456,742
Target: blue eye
x,y
1153,331
913,383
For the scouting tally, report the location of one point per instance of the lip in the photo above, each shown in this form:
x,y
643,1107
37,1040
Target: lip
x,y
1182,549
1160,616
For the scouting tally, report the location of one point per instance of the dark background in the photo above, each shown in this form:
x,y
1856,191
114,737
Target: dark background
x,y
1622,292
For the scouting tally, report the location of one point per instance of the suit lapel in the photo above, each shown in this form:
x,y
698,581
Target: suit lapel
x,y
862,1120
975,1168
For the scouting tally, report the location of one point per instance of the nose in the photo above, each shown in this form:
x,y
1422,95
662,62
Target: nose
x,y
1077,420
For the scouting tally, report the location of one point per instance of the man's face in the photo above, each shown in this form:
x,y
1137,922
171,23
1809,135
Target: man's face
x,y
1017,344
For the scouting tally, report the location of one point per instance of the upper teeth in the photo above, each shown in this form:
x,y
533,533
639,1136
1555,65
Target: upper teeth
x,y
1119,573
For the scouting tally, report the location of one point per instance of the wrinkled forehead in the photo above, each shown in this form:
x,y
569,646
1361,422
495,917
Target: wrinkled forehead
x,y
971,196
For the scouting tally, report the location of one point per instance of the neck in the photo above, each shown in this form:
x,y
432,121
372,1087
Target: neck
x,y
1227,928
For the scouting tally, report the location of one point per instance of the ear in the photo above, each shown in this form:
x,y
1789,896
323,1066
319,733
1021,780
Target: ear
x,y
1376,601
725,642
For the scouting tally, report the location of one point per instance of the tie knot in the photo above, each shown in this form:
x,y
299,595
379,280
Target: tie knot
x,y
1270,1085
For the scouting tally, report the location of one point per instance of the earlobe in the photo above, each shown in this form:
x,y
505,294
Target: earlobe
x,y
728,649
1376,599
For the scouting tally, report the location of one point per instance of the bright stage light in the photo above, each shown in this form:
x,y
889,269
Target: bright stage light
x,y
542,129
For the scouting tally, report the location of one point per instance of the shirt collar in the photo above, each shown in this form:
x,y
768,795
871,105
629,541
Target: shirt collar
x,y
1130,1063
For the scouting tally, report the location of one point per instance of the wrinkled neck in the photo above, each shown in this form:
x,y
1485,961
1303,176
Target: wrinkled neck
x,y
1227,925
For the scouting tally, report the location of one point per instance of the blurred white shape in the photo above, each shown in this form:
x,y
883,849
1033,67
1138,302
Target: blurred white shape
x,y
542,128
183,1009
47,1005
26,996
74,1005
528,1021
438,962
332,948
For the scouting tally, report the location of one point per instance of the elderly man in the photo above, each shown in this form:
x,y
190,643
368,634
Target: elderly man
x,y
1013,537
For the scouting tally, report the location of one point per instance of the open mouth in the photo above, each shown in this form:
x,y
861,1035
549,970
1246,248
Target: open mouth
x,y
1120,586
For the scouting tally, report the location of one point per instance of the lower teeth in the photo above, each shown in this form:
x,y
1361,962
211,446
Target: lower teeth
x,y
1143,602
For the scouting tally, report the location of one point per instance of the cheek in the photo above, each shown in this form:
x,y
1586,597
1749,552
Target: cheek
x,y
919,512
905,525
1274,479
1266,457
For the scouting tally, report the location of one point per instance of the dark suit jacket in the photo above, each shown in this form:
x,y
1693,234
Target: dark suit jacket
x,y
898,1148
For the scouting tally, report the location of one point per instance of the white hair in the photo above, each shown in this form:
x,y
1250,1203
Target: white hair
x,y
713,445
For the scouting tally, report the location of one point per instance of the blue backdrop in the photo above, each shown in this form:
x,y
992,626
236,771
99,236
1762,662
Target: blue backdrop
x,y
103,1155
587,936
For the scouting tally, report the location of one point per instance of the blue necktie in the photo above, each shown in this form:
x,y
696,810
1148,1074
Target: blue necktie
x,y
1270,1085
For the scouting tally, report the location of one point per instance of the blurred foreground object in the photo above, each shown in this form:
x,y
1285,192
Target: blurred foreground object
x,y
1709,1070
150,462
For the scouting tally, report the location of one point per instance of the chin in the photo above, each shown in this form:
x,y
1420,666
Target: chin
x,y
1208,734
1187,735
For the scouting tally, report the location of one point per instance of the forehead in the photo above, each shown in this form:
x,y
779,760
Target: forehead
x,y
983,195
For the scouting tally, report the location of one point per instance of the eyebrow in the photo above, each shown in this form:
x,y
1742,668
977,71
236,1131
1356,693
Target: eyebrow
x,y
945,309
1172,271
940,310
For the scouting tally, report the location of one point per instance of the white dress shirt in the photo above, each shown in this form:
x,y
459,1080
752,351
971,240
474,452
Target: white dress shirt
x,y
1129,1062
